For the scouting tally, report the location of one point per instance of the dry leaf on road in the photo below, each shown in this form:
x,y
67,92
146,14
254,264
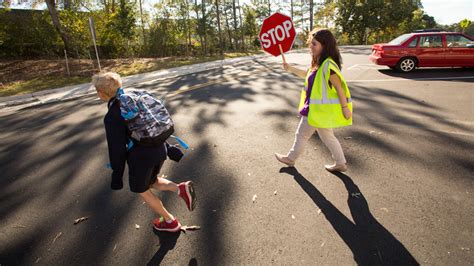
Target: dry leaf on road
x,y
78,220
186,228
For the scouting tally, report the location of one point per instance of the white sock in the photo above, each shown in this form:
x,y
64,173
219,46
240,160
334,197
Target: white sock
x,y
168,221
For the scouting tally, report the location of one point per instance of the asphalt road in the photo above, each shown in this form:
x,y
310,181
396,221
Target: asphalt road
x,y
407,198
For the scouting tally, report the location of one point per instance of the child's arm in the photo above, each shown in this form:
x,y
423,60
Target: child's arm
x,y
116,132
336,82
299,72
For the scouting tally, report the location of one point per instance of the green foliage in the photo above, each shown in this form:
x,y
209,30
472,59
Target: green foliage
x,y
361,18
184,27
27,34
465,23
250,27
118,37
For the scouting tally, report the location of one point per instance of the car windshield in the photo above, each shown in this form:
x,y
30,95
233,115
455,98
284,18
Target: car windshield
x,y
400,39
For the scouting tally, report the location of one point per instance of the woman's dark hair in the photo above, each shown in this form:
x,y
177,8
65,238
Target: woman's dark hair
x,y
326,38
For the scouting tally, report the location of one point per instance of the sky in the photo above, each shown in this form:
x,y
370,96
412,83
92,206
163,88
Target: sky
x,y
444,11
449,11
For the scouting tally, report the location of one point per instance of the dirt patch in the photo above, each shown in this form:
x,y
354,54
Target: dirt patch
x,y
27,76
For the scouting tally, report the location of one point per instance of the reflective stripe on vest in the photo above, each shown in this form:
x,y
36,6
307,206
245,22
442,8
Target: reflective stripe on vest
x,y
325,99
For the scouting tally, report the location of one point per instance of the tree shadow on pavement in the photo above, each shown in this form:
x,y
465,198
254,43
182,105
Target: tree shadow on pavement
x,y
167,243
370,242
460,74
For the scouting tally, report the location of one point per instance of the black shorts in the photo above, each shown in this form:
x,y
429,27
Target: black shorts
x,y
144,165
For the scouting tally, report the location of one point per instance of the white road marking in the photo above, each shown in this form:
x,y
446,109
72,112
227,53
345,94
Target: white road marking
x,y
406,79
365,66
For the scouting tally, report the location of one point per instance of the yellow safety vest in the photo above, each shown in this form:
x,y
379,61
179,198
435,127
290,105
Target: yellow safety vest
x,y
324,107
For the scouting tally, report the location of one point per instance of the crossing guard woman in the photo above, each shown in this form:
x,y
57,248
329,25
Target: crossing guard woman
x,y
325,101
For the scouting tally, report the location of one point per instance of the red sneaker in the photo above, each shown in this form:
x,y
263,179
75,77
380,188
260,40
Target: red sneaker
x,y
161,225
186,192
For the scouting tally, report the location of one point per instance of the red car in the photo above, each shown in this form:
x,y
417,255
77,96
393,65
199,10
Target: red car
x,y
425,49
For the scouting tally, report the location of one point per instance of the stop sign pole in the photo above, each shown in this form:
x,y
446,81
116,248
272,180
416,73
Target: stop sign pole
x,y
282,54
277,34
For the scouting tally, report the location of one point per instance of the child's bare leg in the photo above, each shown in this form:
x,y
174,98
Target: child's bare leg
x,y
156,204
164,184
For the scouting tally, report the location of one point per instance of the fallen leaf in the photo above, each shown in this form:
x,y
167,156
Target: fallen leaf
x,y
19,226
274,193
37,260
347,137
78,220
137,226
186,228
254,198
249,174
57,236
384,209
115,247
322,245
293,217
355,195
319,211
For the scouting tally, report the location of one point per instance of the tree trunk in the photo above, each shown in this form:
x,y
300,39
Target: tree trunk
x,y
197,17
219,28
269,7
310,15
203,6
57,25
291,4
67,4
188,30
241,26
106,6
143,24
228,28
236,40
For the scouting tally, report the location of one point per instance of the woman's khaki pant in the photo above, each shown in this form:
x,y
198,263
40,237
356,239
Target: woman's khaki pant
x,y
305,131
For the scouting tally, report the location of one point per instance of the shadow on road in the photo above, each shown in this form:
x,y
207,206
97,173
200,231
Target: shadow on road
x,y
167,243
369,241
435,73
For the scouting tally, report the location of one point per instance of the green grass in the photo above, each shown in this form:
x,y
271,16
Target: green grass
x,y
143,67
124,69
39,84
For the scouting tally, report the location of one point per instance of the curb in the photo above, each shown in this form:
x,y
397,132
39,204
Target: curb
x,y
74,91
79,90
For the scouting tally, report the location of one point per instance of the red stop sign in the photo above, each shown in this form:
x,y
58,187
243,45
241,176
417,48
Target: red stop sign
x,y
276,30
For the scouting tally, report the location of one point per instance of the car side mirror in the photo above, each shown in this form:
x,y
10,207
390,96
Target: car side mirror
x,y
470,45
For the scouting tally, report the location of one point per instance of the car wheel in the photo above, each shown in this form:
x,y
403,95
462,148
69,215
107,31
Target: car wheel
x,y
406,65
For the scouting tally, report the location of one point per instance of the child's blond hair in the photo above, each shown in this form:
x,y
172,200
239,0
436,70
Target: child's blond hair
x,y
107,83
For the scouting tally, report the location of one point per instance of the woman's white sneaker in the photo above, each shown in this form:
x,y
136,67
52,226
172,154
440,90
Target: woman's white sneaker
x,y
285,160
